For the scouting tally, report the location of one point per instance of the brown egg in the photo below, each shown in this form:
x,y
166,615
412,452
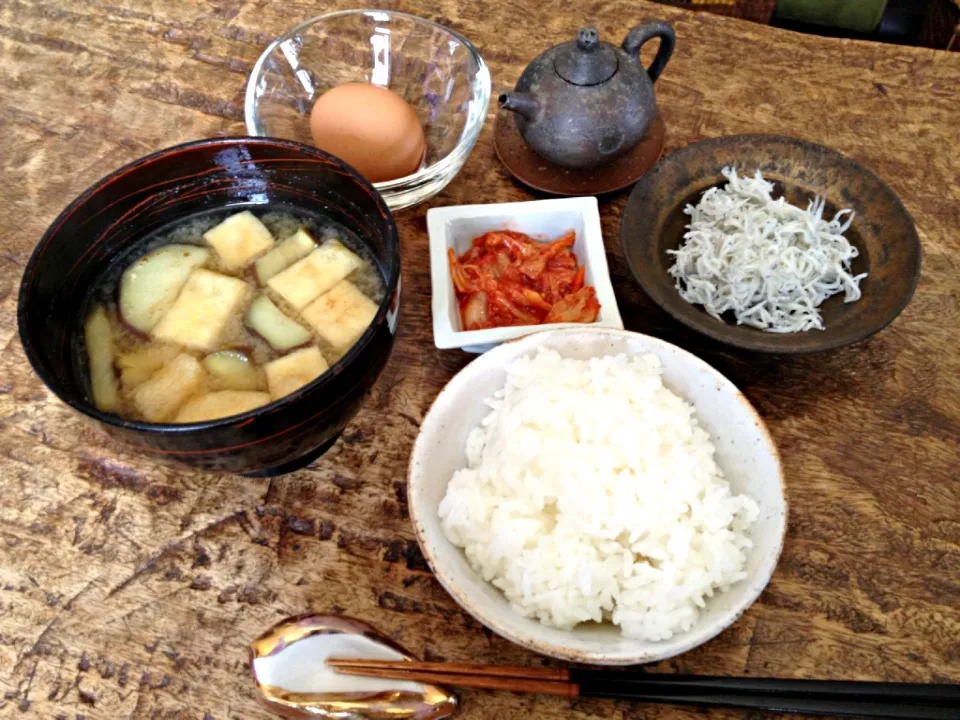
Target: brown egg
x,y
371,128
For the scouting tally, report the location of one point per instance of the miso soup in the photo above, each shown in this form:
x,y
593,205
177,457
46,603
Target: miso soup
x,y
224,313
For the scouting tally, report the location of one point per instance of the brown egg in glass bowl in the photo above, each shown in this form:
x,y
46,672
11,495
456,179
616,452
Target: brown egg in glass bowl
x,y
434,69
116,222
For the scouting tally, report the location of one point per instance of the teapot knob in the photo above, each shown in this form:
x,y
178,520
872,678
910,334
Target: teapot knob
x,y
586,61
587,39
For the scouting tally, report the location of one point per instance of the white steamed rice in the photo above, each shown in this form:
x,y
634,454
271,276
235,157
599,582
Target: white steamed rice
x,y
592,494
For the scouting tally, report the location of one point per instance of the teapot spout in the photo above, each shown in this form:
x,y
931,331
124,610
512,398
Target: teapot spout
x,y
522,103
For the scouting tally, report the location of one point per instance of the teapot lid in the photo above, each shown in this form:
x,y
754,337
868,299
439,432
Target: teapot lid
x,y
586,61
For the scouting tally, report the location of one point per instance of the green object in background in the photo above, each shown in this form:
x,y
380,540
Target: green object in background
x,y
857,15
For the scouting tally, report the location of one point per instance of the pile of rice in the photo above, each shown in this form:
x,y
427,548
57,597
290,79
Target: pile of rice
x,y
769,262
592,494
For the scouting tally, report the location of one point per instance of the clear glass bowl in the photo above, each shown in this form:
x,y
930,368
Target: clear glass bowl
x,y
433,68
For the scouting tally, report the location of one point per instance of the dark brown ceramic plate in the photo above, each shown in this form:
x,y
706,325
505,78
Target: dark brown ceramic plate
x,y
540,174
883,232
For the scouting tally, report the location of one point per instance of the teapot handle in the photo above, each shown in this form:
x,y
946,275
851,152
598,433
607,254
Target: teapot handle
x,y
641,34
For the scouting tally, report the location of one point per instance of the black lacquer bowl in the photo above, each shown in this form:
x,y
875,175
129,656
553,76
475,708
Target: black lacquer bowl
x,y
176,183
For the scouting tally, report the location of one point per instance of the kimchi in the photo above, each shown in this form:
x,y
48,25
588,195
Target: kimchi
x,y
508,278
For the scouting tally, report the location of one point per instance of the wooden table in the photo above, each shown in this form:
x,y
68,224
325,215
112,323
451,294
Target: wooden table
x,y
129,590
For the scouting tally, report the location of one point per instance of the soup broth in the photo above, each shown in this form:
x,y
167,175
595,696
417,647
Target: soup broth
x,y
226,312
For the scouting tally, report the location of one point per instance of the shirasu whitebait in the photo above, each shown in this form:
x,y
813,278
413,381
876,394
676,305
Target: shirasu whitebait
x,y
769,262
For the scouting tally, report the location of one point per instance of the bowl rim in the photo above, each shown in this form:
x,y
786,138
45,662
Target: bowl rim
x,y
561,652
744,337
81,404
451,161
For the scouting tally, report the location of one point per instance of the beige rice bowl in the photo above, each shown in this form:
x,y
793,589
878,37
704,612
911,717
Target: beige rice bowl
x,y
597,495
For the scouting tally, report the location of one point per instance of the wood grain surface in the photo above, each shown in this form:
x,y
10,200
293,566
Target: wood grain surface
x,y
129,590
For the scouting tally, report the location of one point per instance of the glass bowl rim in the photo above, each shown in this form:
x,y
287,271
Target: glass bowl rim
x,y
449,162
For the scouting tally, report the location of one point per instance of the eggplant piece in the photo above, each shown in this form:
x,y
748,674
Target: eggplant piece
x,y
239,239
296,247
269,322
293,371
98,337
151,284
232,370
202,311
220,404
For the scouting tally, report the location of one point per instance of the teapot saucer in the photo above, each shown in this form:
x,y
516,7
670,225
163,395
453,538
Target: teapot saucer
x,y
531,169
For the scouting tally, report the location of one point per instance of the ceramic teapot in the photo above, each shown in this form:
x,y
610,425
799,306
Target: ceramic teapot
x,y
582,104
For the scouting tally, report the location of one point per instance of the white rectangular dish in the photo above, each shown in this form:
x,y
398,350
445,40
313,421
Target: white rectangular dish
x,y
456,227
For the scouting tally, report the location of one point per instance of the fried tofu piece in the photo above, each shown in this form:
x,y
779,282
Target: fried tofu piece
x,y
293,371
159,398
203,310
294,248
239,239
341,315
221,404
138,366
309,278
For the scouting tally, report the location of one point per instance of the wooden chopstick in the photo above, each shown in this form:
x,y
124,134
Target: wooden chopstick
x,y
549,674
484,682
908,701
